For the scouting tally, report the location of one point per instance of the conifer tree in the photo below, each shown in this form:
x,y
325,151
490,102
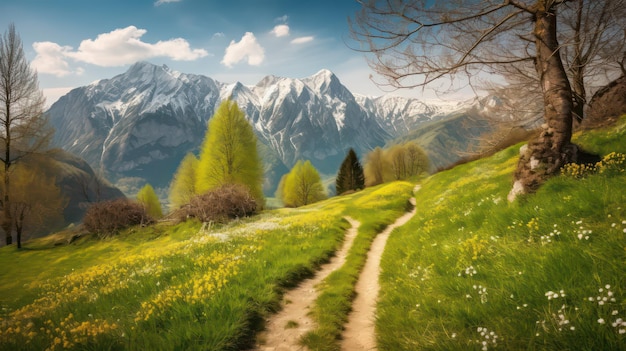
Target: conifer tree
x,y
148,198
350,176
229,153
301,186
183,186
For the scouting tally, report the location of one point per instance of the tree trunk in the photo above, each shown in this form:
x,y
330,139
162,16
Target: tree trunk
x,y
6,218
544,156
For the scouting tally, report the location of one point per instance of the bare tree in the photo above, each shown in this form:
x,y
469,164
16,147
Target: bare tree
x,y
23,127
417,43
592,39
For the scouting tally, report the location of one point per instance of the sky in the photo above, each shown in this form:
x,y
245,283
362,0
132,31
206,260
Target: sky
x,y
73,43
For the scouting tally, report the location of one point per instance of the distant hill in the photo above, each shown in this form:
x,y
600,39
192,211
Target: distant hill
x,y
448,140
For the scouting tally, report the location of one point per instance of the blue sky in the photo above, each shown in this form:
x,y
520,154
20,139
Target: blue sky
x,y
75,42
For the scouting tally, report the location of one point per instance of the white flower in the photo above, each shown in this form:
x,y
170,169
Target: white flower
x,y
601,320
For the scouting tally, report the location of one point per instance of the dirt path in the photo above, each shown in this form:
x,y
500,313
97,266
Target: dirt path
x,y
284,330
359,333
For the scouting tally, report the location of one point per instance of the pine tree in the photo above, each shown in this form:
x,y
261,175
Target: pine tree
x,y
148,198
350,176
183,186
302,186
229,153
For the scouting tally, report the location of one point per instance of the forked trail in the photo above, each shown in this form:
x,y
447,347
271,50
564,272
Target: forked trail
x,y
284,330
359,333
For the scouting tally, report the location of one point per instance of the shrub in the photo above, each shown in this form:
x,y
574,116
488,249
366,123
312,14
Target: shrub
x,y
108,217
220,204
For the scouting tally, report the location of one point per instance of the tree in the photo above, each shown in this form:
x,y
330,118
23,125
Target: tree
x,y
23,126
592,35
417,43
150,201
302,186
36,203
376,167
350,176
229,153
183,186
417,161
397,160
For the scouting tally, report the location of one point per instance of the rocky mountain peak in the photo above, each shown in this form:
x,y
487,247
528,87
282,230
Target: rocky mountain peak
x,y
142,122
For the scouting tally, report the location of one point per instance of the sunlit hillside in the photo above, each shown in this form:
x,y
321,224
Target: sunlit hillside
x,y
469,272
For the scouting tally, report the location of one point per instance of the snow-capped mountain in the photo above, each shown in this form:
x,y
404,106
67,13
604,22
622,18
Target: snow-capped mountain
x,y
142,122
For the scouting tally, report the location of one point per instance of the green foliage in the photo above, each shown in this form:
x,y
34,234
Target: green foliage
x,y
229,153
301,186
376,167
350,176
183,186
150,201
399,162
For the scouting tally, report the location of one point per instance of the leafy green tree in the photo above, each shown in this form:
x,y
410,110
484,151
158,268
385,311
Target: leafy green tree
x,y
302,186
376,167
407,160
398,161
417,161
183,186
350,176
229,153
148,198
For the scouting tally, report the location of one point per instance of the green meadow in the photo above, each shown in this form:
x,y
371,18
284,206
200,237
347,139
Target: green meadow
x,y
469,272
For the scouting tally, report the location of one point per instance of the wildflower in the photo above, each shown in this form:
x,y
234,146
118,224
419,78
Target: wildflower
x,y
601,320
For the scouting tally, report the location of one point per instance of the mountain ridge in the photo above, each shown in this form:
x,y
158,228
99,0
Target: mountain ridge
x,y
141,123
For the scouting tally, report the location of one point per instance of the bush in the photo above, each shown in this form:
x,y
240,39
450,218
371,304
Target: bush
x,y
220,205
108,217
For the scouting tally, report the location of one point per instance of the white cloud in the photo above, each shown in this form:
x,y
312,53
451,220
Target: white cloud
x,y
116,48
248,47
124,46
280,30
50,59
302,40
161,2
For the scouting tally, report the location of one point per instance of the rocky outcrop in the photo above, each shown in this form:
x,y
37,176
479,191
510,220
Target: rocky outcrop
x,y
607,104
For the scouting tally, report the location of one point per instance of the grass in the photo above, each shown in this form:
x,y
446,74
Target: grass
x,y
473,272
167,286
468,272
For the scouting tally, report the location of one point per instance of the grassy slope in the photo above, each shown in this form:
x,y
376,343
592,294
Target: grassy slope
x,y
472,272
169,287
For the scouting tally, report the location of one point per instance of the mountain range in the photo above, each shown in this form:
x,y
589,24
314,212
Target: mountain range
x,y
138,125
